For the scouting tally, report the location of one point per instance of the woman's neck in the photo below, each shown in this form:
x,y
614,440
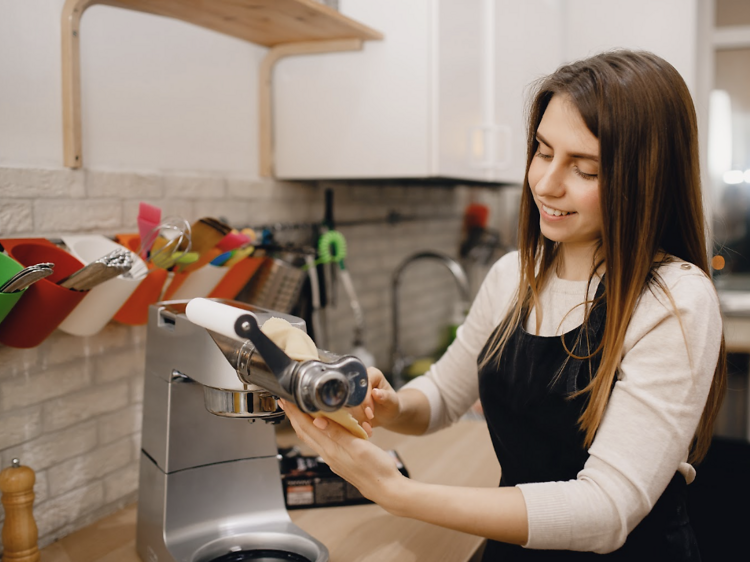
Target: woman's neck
x,y
574,262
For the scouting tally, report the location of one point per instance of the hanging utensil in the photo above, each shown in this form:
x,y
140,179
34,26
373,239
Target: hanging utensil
x,y
276,285
113,264
207,233
148,220
329,270
321,337
172,241
27,277
332,249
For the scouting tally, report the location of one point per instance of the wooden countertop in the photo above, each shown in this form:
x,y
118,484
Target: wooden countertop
x,y
461,455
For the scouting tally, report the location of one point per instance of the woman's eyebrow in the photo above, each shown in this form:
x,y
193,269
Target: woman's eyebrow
x,y
584,156
541,139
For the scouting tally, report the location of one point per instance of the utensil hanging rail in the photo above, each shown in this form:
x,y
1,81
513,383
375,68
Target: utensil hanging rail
x,y
393,218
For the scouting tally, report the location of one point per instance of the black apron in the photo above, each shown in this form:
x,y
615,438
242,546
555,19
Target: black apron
x,y
534,429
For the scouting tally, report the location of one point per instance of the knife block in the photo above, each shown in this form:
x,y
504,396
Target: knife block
x,y
19,529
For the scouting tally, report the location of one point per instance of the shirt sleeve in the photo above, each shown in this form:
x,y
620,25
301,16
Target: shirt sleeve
x,y
451,384
644,437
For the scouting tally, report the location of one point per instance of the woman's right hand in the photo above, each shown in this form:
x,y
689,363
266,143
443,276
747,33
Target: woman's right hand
x,y
382,406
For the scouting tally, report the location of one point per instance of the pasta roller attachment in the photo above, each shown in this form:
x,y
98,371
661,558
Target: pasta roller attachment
x,y
326,384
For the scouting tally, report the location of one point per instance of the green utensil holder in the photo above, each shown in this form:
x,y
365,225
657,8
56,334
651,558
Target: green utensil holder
x,y
8,268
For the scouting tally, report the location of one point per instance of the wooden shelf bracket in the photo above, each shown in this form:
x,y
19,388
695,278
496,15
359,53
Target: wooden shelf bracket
x,y
265,106
287,27
71,81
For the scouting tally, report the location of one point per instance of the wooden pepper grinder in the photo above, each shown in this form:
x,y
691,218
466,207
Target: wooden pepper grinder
x,y
19,530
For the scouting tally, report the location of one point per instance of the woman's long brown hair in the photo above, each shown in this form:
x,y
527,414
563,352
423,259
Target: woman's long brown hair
x,y
640,109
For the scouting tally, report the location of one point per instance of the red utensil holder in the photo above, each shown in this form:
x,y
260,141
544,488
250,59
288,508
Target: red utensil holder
x,y
45,303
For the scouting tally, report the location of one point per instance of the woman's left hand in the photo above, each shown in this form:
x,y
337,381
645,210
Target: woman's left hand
x,y
367,467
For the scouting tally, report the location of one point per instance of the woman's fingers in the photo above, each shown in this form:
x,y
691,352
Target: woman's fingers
x,y
364,465
366,410
385,397
303,426
368,428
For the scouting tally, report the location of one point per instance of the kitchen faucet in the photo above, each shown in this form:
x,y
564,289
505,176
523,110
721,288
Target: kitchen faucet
x,y
398,360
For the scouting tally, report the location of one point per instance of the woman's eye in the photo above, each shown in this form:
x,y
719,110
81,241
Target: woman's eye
x,y
584,175
543,156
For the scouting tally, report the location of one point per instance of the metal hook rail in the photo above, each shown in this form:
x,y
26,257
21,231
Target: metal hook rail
x,y
392,218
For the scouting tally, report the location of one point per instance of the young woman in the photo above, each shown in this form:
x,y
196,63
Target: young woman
x,y
596,349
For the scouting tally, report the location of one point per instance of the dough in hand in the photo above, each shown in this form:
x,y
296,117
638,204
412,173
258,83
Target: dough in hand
x,y
346,420
300,347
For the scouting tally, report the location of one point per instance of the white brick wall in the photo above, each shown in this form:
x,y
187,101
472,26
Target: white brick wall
x,y
71,408
20,425
36,387
79,471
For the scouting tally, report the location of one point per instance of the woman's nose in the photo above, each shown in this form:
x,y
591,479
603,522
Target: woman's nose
x,y
551,182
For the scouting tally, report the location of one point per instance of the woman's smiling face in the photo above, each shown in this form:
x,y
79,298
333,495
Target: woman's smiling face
x,y
563,176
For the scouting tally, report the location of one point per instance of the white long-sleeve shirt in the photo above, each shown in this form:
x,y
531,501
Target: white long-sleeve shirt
x,y
668,362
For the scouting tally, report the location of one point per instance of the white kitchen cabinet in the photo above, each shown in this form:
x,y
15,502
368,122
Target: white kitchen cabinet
x,y
415,105
668,28
529,44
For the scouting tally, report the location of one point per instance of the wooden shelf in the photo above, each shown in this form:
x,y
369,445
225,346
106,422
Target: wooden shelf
x,y
287,27
265,22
